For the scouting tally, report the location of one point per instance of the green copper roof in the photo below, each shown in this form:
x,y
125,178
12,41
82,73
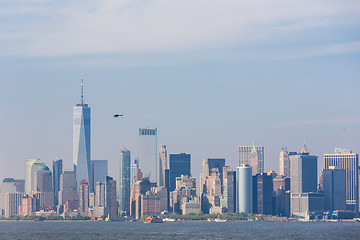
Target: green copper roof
x,y
253,150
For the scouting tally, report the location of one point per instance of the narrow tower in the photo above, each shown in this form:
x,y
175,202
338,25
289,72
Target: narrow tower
x,y
81,140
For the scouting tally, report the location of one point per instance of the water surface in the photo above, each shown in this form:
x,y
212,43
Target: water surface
x,y
179,230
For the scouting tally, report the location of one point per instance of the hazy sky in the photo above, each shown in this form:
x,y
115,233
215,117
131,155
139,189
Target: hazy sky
x,y
210,75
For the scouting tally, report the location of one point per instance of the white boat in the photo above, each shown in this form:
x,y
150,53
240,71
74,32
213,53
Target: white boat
x,y
169,220
220,220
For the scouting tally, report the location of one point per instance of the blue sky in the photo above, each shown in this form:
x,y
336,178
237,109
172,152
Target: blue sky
x,y
210,75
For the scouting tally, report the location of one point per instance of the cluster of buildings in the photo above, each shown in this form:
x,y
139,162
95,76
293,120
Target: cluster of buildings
x,y
157,182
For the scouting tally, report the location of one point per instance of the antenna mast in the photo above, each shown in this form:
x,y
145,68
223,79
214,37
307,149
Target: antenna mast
x,y
82,92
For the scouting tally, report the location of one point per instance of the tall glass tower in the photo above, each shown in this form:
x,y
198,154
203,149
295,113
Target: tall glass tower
x,y
124,183
148,153
57,171
81,140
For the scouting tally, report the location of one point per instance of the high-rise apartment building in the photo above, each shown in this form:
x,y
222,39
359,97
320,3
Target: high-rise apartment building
x,y
84,198
10,185
29,205
57,170
81,140
99,171
148,153
124,182
133,170
100,194
162,164
12,203
284,163
349,161
110,197
256,152
244,189
179,164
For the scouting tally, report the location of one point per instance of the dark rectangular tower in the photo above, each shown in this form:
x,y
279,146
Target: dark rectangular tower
x,y
180,164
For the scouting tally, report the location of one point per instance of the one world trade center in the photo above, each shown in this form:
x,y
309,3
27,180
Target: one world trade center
x,y
81,140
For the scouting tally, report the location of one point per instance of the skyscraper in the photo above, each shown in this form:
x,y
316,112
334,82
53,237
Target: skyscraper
x,y
133,170
334,188
9,185
263,200
28,165
124,182
36,166
67,187
148,153
81,140
284,163
213,163
303,184
99,171
57,170
162,164
244,189
245,152
110,197
229,189
12,203
345,159
43,184
84,198
180,164
303,172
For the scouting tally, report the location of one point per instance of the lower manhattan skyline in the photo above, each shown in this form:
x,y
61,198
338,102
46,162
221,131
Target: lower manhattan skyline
x,y
280,76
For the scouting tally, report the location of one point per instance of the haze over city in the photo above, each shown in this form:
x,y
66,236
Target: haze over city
x,y
209,75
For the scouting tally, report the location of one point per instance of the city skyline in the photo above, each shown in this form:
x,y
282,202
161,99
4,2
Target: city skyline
x,y
281,75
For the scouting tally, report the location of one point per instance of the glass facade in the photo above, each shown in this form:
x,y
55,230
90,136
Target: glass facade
x,y
28,165
148,153
57,170
99,171
180,164
81,142
124,182
244,156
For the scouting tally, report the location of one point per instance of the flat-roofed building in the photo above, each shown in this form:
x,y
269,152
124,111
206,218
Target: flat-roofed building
x,y
349,161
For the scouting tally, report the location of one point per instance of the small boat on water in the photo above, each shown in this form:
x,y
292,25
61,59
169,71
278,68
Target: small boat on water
x,y
169,220
153,220
220,220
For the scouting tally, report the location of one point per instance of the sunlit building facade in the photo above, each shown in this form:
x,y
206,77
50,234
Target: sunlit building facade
x,y
81,140
148,153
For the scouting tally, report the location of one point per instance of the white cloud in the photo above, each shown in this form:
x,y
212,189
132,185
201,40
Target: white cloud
x,y
68,28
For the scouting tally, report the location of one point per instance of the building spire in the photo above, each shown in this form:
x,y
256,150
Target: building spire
x,y
82,91
253,150
304,150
